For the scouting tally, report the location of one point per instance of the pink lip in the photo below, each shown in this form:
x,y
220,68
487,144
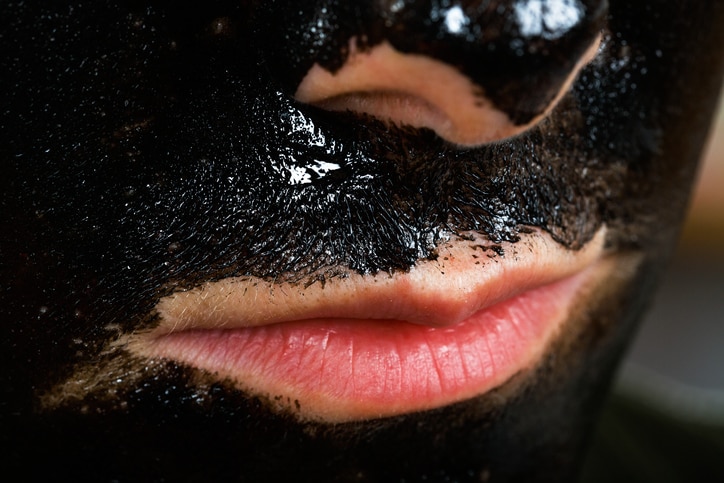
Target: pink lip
x,y
367,347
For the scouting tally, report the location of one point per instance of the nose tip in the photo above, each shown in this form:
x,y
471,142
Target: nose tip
x,y
473,71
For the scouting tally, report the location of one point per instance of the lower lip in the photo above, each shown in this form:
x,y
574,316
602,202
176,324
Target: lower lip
x,y
349,369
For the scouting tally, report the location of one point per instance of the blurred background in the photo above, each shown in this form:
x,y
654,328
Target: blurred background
x,y
664,421
681,343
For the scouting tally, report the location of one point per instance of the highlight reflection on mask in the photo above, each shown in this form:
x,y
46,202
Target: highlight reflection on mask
x,y
153,148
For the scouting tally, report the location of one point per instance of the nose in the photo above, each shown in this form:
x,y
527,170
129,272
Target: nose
x,y
473,71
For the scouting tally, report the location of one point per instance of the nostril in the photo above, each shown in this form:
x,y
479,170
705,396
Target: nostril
x,y
407,89
397,106
512,59
419,91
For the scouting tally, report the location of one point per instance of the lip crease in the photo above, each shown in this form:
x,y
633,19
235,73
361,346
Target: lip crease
x,y
369,346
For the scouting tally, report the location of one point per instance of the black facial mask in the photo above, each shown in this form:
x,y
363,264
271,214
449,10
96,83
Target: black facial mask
x,y
152,148
519,53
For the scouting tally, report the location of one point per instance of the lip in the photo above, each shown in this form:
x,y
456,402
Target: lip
x,y
367,346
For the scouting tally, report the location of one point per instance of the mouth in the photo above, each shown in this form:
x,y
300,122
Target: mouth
x,y
370,346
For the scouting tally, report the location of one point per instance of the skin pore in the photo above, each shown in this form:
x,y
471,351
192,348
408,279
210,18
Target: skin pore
x,y
157,148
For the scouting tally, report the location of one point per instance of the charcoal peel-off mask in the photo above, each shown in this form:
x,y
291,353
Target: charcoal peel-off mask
x,y
152,148
519,53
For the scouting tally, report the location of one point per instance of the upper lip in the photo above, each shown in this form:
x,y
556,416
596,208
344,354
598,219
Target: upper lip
x,y
443,292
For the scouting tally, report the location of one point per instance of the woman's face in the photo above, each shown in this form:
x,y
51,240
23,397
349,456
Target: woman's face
x,y
349,240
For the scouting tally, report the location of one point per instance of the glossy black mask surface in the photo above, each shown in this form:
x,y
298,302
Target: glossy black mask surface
x,y
147,148
517,52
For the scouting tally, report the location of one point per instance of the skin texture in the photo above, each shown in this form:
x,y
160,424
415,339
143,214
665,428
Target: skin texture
x,y
150,149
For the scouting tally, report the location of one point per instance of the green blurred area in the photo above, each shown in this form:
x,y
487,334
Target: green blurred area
x,y
640,442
